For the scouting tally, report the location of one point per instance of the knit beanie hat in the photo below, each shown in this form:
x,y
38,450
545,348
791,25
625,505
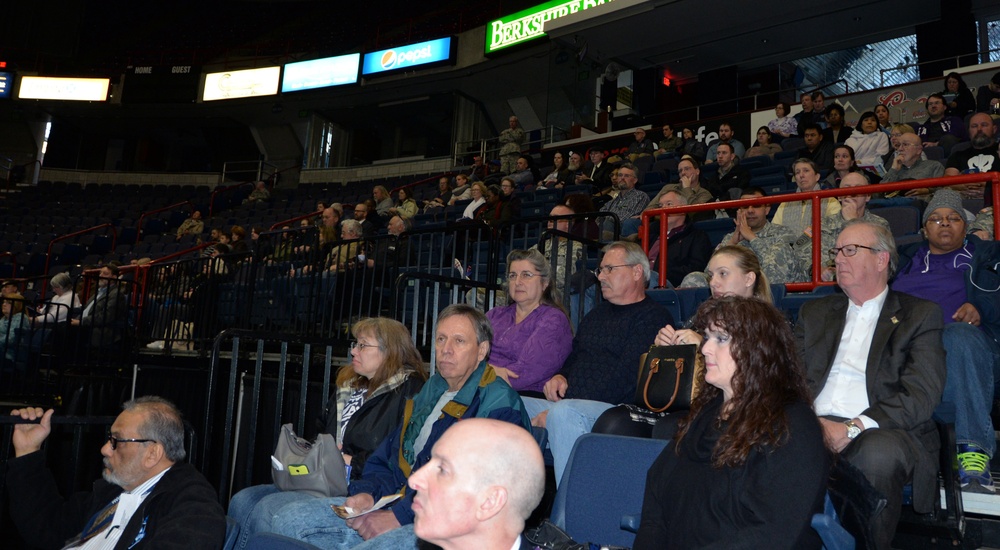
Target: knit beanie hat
x,y
944,198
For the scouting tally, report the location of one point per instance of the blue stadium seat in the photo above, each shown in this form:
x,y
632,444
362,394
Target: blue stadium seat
x,y
755,162
792,303
903,220
535,208
791,146
667,297
717,228
550,196
774,184
603,486
571,189
689,300
767,170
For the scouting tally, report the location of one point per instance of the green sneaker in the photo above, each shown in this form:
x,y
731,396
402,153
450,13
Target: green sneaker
x,y
974,470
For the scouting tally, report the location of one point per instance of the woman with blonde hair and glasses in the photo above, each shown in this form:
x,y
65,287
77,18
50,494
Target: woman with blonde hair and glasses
x,y
532,335
385,371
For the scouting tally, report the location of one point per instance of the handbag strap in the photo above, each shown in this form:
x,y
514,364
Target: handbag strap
x,y
654,367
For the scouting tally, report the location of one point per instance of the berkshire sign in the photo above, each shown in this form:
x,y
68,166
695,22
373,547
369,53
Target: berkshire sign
x,y
527,25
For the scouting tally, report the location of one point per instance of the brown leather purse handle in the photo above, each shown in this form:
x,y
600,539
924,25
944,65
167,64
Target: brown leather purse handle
x,y
654,367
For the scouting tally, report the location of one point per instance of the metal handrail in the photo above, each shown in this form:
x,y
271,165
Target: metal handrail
x,y
277,225
956,58
48,254
697,108
426,180
815,197
142,275
259,169
485,146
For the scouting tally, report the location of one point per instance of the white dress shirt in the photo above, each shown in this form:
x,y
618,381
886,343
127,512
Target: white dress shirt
x,y
846,391
128,503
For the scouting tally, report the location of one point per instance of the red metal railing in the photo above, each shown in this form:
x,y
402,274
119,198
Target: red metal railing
x,y
138,228
48,254
409,186
815,197
142,275
278,225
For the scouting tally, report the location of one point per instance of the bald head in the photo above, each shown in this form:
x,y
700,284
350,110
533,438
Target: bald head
x,y
484,479
853,179
509,456
330,217
560,210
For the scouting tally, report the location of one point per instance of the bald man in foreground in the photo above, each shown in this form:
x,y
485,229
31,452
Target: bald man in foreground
x,y
484,479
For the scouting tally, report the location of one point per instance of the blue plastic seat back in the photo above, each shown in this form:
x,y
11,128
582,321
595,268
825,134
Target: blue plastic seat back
x,y
604,482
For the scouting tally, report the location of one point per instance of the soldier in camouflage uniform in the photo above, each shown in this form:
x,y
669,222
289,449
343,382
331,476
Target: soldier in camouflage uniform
x,y
511,139
772,243
193,225
982,227
559,248
851,208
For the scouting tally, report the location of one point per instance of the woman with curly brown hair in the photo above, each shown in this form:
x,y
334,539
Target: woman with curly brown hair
x,y
747,467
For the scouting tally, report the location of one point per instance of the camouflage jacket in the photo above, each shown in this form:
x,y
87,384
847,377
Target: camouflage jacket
x,y
774,248
831,230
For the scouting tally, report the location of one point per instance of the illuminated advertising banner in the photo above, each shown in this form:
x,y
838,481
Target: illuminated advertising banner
x,y
69,89
161,84
528,25
320,73
6,84
245,83
393,59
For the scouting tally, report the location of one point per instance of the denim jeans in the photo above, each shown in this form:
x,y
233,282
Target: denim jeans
x,y
401,539
567,420
630,226
255,508
313,521
972,359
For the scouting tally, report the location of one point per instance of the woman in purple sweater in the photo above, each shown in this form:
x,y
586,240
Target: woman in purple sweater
x,y
531,336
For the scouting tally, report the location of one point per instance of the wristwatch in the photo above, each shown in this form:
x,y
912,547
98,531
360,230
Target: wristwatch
x,y
853,430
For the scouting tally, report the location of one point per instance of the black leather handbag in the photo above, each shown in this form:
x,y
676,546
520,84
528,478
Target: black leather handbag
x,y
667,378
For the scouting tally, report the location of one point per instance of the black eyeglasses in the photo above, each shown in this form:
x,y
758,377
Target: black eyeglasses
x,y
849,250
607,269
114,441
